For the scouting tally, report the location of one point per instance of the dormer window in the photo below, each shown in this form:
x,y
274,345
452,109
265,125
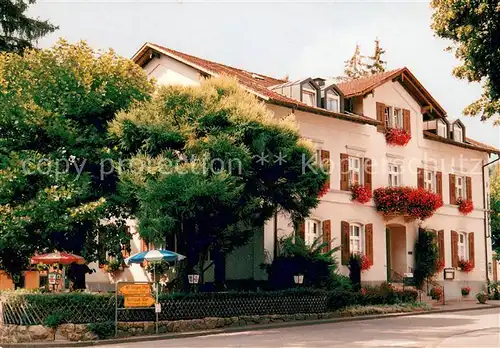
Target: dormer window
x,y
309,97
441,129
332,101
458,134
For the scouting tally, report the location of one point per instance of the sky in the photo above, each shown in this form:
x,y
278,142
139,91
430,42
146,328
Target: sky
x,y
280,38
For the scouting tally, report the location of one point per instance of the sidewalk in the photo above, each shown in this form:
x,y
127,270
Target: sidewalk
x,y
447,308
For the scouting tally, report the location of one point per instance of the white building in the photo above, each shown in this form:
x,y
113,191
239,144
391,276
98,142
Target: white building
x,y
347,124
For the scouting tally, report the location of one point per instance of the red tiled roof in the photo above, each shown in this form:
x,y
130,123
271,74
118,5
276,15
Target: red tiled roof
x,y
257,83
364,85
470,144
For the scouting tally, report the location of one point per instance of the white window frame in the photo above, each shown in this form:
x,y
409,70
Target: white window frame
x,y
458,133
393,117
397,118
309,95
441,129
330,96
462,187
394,175
463,245
430,180
360,238
352,170
312,233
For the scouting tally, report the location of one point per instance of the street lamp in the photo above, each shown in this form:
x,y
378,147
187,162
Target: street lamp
x,y
298,279
193,280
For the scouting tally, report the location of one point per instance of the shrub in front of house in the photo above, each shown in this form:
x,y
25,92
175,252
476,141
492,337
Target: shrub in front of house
x,y
317,265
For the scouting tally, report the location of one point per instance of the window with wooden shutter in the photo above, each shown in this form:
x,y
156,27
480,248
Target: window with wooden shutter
x,y
344,228
325,161
468,187
472,255
420,177
327,235
344,172
406,121
369,241
453,195
368,173
381,117
454,249
441,246
439,184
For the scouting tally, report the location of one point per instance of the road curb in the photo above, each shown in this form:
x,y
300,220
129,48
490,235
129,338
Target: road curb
x,y
259,327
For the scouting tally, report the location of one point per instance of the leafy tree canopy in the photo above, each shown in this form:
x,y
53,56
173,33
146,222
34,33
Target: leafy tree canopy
x,y
206,167
474,28
18,31
55,105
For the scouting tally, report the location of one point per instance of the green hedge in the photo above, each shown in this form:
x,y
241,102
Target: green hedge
x,y
54,309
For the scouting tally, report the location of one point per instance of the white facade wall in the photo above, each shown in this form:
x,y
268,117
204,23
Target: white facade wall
x,y
339,136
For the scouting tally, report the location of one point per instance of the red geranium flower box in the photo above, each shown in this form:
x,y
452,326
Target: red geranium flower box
x,y
465,206
397,137
360,194
366,263
324,190
406,201
465,266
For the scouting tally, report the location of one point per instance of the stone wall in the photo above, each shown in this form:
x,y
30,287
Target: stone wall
x,y
81,332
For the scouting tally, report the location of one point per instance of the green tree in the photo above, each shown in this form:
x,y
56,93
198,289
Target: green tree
x,y
55,105
376,65
426,256
205,168
355,67
474,28
18,31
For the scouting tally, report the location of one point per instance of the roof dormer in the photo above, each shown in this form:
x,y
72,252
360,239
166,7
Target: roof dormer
x,y
306,91
332,98
439,126
457,131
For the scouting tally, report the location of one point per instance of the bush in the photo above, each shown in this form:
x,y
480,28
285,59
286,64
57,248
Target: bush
x,y
103,330
318,267
481,297
494,291
426,257
53,320
436,293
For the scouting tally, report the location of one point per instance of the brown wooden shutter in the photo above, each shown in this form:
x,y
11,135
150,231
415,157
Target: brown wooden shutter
x,y
302,230
325,160
454,249
381,117
327,234
368,173
439,184
406,121
344,227
344,172
468,187
369,241
453,195
420,177
472,252
441,246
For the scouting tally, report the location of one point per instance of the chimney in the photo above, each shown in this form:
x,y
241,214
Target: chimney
x,y
319,81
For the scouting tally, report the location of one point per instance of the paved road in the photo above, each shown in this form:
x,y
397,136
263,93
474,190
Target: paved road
x,y
468,329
